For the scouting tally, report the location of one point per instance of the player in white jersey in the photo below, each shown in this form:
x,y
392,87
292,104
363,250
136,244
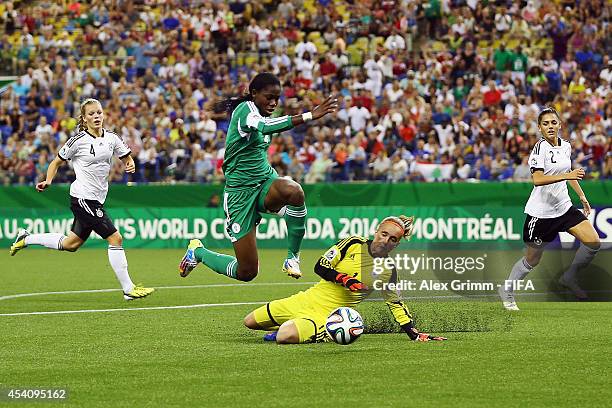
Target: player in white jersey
x,y
91,152
549,209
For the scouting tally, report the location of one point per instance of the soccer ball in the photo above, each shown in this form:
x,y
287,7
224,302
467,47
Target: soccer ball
x,y
344,325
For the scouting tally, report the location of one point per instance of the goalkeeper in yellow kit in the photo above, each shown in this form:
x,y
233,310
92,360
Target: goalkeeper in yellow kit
x,y
347,270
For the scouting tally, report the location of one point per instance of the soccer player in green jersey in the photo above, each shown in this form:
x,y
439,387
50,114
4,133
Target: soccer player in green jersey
x,y
252,186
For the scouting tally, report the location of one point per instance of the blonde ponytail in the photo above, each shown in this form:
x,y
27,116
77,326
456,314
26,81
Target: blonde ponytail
x,y
81,124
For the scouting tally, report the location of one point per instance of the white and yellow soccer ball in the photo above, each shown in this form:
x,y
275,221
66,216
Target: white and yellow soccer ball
x,y
344,325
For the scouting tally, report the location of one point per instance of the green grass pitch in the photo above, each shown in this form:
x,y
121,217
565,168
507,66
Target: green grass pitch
x,y
551,354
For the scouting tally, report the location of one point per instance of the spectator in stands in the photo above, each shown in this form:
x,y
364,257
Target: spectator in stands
x,y
403,70
461,170
381,166
399,168
358,116
318,169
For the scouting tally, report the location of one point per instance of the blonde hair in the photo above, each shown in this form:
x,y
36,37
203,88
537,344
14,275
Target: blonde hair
x,y
404,222
81,122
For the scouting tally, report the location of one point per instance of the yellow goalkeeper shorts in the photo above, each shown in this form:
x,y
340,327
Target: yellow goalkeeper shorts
x,y
308,318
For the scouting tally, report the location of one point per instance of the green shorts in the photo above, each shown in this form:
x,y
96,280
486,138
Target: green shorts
x,y
243,207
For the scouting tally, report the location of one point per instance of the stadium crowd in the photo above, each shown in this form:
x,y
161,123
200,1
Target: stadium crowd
x,y
449,85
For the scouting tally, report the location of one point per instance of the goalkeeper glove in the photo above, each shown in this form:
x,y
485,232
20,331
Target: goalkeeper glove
x,y
429,337
415,335
350,283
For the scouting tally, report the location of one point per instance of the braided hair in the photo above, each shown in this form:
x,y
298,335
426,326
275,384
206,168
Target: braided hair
x,y
259,82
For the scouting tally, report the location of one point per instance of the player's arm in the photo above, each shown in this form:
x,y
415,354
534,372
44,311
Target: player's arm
x,y
402,315
51,172
536,165
400,311
128,161
585,203
125,155
277,125
326,264
268,125
541,179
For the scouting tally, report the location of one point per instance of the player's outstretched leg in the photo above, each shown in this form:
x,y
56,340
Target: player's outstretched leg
x,y
196,253
589,246
286,198
243,267
295,217
49,240
519,271
119,263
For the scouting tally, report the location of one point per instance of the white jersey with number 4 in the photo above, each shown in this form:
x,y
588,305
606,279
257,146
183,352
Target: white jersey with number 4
x,y
551,200
92,158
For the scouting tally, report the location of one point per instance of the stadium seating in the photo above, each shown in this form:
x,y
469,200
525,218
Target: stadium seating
x,y
421,61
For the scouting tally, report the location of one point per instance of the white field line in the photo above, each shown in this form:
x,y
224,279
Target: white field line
x,y
205,305
215,285
131,309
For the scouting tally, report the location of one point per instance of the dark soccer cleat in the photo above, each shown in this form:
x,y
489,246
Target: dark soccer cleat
x,y
573,286
270,336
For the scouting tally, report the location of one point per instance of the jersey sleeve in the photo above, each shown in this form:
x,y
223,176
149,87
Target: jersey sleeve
x,y
254,121
536,158
327,262
325,266
69,149
398,308
121,150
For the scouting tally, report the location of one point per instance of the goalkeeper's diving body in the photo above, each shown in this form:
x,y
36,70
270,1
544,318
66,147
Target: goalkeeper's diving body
x,y
348,271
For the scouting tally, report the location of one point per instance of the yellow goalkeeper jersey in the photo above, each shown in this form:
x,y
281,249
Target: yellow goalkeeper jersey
x,y
352,257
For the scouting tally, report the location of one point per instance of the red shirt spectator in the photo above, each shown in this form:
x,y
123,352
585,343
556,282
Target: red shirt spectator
x,y
366,101
493,96
327,68
302,83
407,132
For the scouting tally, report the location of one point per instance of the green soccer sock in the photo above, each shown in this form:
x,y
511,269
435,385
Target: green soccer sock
x,y
295,217
220,263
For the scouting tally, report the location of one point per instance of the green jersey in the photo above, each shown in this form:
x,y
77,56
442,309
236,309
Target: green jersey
x,y
502,60
246,145
518,62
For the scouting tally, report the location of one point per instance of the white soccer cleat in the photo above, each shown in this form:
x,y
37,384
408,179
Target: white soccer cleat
x,y
507,298
511,306
572,285
291,267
